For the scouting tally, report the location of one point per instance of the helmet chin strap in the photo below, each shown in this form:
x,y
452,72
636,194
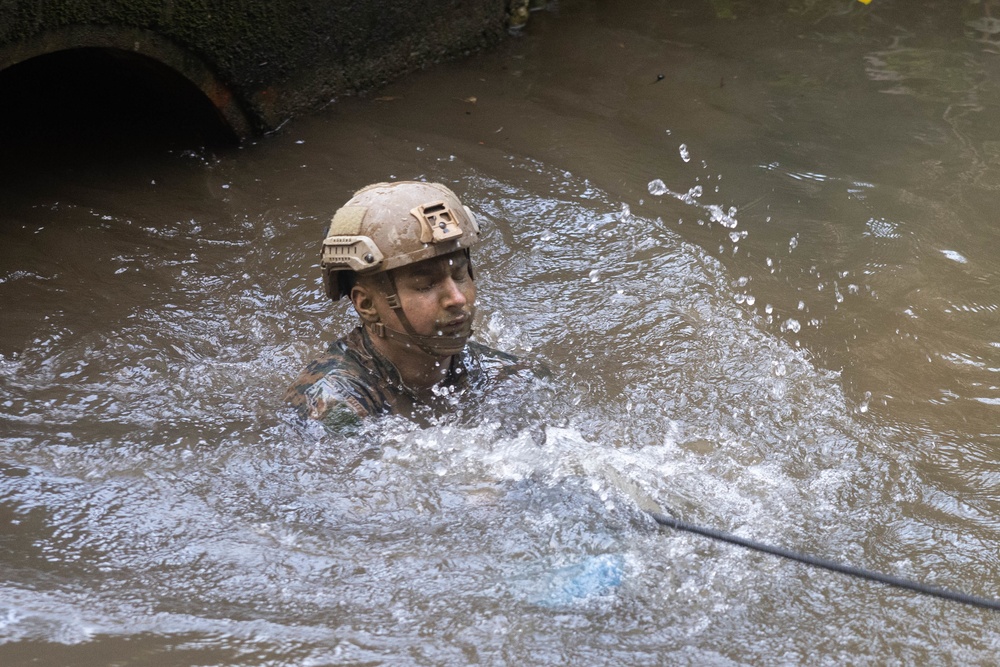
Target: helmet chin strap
x,y
444,345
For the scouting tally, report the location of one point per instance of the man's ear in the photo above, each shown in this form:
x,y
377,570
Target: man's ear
x,y
363,300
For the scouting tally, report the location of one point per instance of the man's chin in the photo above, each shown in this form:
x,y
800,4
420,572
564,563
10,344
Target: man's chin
x,y
446,346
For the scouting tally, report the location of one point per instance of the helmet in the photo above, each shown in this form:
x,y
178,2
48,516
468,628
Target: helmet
x,y
387,225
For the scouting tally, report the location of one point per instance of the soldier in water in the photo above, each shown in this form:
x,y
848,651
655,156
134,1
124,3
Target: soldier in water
x,y
400,252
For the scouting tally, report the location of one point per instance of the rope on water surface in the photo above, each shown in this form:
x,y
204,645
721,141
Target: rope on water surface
x,y
924,589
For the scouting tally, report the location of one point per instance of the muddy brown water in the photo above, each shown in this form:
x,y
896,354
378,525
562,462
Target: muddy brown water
x,y
758,253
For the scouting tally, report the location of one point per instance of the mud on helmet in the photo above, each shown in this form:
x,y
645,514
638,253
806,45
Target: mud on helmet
x,y
388,225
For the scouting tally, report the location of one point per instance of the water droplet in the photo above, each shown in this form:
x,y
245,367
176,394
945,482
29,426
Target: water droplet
x,y
685,155
657,187
863,407
792,325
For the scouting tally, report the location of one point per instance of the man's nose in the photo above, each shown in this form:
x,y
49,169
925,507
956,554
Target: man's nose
x,y
453,294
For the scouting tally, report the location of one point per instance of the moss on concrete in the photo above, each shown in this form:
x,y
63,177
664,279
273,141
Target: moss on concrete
x,y
278,56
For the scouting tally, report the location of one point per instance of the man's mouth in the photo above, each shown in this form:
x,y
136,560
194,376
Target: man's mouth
x,y
456,326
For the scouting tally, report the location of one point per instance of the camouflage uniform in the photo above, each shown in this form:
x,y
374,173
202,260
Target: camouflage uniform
x,y
353,380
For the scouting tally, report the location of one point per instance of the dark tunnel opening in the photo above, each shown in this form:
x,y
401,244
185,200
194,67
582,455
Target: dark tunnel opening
x,y
86,105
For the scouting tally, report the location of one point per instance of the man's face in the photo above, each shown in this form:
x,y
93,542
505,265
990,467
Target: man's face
x,y
437,295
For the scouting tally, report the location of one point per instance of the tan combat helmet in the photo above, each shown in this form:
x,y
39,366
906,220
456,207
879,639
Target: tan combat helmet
x,y
388,225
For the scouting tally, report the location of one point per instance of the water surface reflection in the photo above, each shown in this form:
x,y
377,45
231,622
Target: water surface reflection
x,y
790,339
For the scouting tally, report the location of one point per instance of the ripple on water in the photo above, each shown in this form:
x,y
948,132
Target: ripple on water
x,y
163,491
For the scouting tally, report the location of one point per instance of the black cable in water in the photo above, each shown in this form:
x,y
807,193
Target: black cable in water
x,y
851,570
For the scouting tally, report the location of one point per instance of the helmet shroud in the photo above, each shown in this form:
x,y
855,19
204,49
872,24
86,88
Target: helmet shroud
x,y
388,225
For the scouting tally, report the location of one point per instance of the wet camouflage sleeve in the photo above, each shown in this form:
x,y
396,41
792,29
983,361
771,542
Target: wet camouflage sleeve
x,y
335,389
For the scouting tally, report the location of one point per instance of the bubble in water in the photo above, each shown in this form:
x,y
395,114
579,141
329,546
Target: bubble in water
x,y
693,194
751,300
595,275
793,243
734,236
768,309
626,213
685,155
657,187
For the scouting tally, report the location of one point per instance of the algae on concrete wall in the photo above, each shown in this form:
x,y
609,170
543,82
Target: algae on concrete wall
x,y
277,56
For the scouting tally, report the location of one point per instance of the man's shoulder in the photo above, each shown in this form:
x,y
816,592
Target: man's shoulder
x,y
481,351
341,377
503,364
343,359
